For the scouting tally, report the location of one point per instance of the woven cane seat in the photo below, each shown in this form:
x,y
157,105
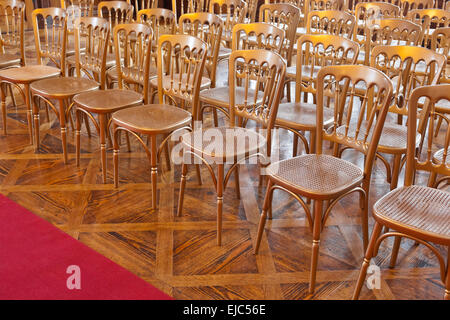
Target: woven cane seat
x,y
393,137
63,87
420,210
29,74
439,155
301,116
224,143
220,96
8,59
106,101
316,176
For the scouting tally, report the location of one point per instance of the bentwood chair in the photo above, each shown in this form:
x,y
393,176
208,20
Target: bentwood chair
x,y
318,5
56,89
162,119
131,37
234,144
408,67
12,13
369,13
251,36
334,22
208,27
313,53
388,32
420,213
116,12
323,177
429,19
51,48
286,17
162,21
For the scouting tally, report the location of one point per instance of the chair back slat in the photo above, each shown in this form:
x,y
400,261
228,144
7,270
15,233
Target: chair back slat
x,y
12,15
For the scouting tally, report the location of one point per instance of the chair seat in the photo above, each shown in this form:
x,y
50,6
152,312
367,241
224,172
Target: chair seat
x,y
107,101
301,116
393,137
316,176
423,210
205,82
152,118
28,74
223,143
8,59
63,87
221,96
439,156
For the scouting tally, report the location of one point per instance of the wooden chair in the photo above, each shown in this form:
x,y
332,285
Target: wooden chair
x,y
409,67
104,103
321,177
318,5
116,12
313,53
250,36
139,5
231,12
266,70
50,49
408,5
389,32
413,211
333,22
300,4
12,14
162,21
286,17
189,53
86,7
368,14
429,19
180,7
55,89
208,27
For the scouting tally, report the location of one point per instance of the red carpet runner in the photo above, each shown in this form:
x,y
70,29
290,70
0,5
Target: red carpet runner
x,y
35,257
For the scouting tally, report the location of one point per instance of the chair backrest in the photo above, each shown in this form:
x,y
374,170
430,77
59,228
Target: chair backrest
x,y
162,21
133,48
317,51
50,35
180,7
408,5
286,17
208,27
116,12
320,5
408,67
391,32
143,4
447,5
429,19
181,61
94,33
12,17
354,88
334,22
431,160
231,12
351,4
265,70
257,35
440,43
252,7
86,7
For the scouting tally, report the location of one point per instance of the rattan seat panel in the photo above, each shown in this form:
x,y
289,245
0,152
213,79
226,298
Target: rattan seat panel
x,y
220,96
205,82
8,59
301,116
439,155
152,118
29,74
107,100
63,86
231,142
393,137
424,209
315,174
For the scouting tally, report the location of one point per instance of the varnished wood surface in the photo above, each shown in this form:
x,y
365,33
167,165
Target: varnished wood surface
x,y
179,255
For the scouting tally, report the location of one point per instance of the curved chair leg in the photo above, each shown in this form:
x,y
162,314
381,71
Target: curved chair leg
x,y
318,208
262,219
369,254
395,250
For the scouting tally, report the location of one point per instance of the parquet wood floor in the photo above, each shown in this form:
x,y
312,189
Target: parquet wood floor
x,y
179,255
